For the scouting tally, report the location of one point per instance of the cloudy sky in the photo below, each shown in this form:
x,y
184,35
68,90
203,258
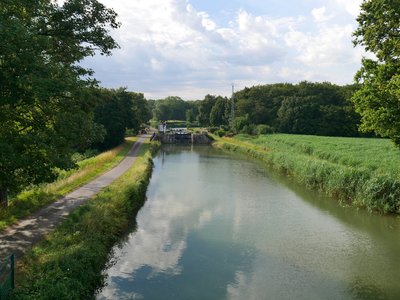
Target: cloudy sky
x,y
190,48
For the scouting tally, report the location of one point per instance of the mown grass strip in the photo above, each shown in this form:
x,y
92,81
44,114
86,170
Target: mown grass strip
x,y
340,167
33,199
68,264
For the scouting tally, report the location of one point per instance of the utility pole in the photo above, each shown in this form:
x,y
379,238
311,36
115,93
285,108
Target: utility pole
x,y
233,104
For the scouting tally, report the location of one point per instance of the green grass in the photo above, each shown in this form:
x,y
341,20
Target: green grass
x,y
33,199
357,171
68,264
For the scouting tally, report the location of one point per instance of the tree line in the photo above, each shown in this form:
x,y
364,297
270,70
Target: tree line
x,y
304,108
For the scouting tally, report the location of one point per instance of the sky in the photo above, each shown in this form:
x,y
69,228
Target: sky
x,y
190,48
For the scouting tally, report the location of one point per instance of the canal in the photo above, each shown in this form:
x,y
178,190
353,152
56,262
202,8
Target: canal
x,y
218,226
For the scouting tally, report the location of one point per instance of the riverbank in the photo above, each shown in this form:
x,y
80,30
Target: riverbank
x,y
68,264
360,172
30,201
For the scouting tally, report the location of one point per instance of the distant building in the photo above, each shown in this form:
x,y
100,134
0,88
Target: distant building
x,y
162,127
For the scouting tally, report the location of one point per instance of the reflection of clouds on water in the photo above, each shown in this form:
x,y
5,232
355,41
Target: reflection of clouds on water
x,y
221,227
160,240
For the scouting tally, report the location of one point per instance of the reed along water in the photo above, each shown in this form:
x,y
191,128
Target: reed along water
x,y
219,226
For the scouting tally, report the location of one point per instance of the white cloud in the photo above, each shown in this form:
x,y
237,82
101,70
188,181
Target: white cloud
x,y
319,14
207,23
329,46
352,6
171,48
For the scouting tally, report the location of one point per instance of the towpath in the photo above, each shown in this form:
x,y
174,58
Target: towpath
x,y
21,236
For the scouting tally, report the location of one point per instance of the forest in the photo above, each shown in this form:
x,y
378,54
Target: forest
x,y
303,108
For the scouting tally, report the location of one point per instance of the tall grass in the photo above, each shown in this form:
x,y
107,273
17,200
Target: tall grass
x,y
34,198
357,171
68,264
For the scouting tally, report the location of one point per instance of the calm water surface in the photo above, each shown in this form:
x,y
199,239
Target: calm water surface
x,y
217,226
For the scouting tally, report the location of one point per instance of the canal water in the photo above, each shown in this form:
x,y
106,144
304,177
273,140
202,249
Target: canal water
x,y
218,226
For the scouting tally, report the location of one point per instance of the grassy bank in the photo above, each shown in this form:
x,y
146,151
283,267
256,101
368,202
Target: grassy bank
x,y
357,171
33,199
69,262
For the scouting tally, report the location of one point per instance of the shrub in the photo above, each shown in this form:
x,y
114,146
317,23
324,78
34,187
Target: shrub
x,y
263,129
212,129
220,132
239,124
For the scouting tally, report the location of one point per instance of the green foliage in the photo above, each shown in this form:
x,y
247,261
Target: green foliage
x,y
213,111
306,108
378,101
171,108
68,264
78,157
191,116
117,111
205,108
358,171
220,132
141,109
263,129
219,114
299,115
241,124
45,112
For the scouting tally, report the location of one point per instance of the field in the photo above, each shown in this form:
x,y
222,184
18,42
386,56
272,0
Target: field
x,y
357,171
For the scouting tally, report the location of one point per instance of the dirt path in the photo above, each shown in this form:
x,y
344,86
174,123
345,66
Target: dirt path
x,y
20,237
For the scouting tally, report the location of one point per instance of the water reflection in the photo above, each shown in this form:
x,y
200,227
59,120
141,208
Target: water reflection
x,y
219,227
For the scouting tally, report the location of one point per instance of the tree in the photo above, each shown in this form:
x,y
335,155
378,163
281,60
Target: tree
x,y
45,109
171,108
378,100
205,108
141,110
219,114
240,123
299,115
117,111
114,114
304,108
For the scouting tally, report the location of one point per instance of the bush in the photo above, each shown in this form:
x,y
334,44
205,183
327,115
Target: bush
x,y
220,132
77,156
263,129
212,129
239,124
248,129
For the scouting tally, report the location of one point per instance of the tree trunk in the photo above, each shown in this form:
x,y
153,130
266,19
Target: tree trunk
x,y
3,197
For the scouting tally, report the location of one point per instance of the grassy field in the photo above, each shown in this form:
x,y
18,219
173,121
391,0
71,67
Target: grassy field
x,y
33,199
68,264
357,171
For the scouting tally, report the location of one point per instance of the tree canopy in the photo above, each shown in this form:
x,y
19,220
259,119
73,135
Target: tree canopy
x,y
46,112
304,108
378,101
117,111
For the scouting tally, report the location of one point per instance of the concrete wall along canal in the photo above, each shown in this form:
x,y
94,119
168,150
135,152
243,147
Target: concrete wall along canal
x,y
183,138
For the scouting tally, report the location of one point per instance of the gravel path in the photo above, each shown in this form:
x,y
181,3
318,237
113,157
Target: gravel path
x,y
20,237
